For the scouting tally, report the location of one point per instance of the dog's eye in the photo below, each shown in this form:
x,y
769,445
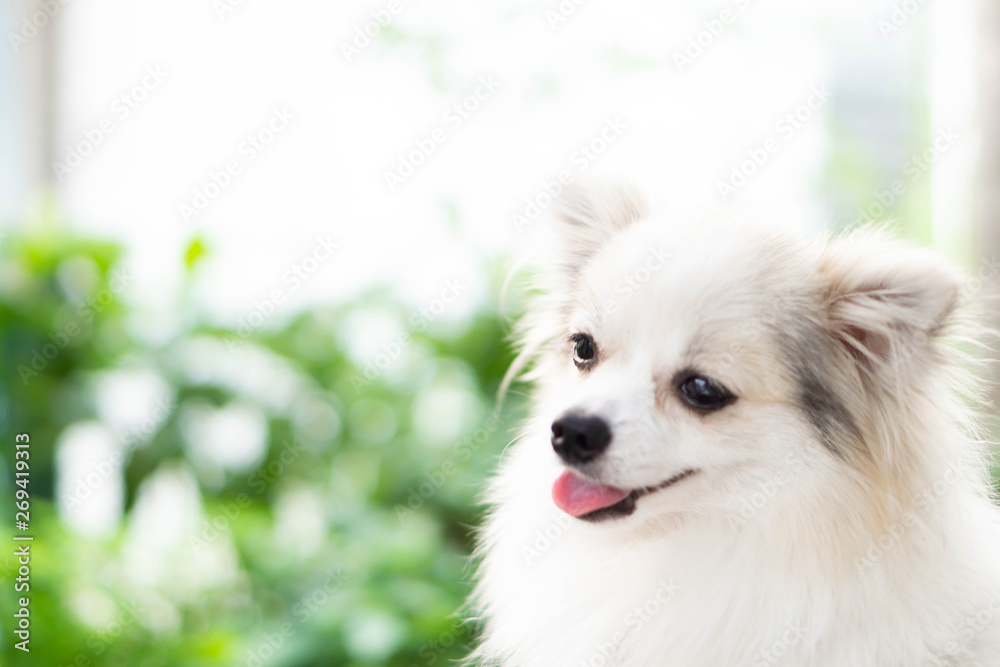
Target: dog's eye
x,y
584,350
705,393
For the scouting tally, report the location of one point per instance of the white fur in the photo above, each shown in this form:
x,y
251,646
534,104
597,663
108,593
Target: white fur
x,y
868,546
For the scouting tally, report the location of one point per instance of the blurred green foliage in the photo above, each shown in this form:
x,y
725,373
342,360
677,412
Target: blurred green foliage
x,y
345,543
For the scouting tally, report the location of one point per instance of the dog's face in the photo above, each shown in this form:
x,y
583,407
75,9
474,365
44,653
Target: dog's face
x,y
691,368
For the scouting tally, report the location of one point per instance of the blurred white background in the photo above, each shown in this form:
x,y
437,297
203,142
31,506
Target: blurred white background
x,y
163,96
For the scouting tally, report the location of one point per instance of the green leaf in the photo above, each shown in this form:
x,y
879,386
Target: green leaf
x,y
195,251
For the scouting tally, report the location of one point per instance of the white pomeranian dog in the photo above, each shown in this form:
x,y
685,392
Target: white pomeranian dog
x,y
745,449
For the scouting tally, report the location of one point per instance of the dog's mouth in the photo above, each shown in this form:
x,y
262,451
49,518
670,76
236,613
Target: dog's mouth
x,y
593,502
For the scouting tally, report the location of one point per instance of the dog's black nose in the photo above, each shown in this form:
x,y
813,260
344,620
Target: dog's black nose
x,y
579,438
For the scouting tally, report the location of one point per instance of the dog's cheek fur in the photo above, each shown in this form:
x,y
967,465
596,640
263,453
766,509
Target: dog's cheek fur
x,y
811,358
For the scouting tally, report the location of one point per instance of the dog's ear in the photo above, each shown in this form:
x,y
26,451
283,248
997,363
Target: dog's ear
x,y
587,217
885,301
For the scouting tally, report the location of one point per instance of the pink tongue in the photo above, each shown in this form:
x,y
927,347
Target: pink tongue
x,y
577,496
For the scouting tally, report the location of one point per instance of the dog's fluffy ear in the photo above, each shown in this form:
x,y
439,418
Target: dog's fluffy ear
x,y
587,217
885,300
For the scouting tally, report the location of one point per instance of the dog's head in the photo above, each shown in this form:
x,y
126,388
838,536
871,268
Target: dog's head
x,y
688,368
